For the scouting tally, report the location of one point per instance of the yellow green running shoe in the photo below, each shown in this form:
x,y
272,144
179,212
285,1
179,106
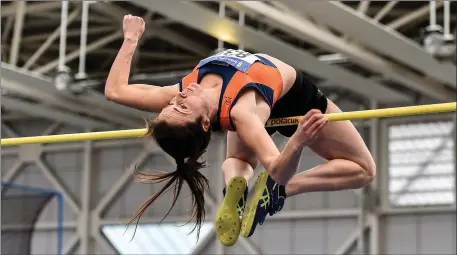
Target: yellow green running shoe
x,y
268,198
228,222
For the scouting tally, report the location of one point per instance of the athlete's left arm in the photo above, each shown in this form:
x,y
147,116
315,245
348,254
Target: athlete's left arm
x,y
250,127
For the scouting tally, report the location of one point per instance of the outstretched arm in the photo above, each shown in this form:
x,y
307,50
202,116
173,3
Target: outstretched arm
x,y
283,165
139,96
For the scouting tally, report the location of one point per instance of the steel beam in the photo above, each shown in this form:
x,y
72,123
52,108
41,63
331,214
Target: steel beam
x,y
350,241
363,6
63,37
8,152
413,16
204,243
125,115
7,30
170,67
378,37
17,33
383,175
375,234
104,243
10,10
119,186
225,29
58,185
361,220
71,245
86,192
450,209
14,171
51,113
116,13
50,39
179,40
373,217
112,51
148,220
385,10
75,54
43,226
306,30
52,128
94,17
315,214
31,40
250,247
78,146
9,131
42,89
72,224
13,116
83,41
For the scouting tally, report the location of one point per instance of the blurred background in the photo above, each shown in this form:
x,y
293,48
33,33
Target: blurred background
x,y
77,198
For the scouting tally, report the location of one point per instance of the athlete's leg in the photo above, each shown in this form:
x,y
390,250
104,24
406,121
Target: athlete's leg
x,y
238,168
241,161
350,164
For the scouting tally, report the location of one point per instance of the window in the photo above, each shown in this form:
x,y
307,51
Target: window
x,y
165,238
421,164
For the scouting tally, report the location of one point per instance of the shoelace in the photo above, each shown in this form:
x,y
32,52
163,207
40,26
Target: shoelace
x,y
277,203
276,207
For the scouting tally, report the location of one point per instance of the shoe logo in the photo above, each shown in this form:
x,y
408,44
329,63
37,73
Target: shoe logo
x,y
265,199
280,199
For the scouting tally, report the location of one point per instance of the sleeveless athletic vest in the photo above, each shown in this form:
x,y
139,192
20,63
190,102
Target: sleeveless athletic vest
x,y
239,70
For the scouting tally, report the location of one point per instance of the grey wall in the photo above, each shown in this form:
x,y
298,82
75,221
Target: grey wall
x,y
400,234
419,234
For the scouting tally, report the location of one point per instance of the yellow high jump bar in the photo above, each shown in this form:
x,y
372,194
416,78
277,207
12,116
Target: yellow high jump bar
x,y
355,115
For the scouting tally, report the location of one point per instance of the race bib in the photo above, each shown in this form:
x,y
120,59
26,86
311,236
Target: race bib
x,y
239,59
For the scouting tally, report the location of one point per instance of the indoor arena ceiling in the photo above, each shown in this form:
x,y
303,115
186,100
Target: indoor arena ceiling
x,y
359,49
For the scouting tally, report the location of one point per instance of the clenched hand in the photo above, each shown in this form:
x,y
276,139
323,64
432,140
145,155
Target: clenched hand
x,y
133,27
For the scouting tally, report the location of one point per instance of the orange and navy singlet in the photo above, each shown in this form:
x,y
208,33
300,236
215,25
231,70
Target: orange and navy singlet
x,y
239,70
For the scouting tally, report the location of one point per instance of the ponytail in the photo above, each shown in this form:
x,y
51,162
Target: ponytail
x,y
185,143
186,170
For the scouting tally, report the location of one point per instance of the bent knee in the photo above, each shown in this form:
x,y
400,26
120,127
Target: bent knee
x,y
368,172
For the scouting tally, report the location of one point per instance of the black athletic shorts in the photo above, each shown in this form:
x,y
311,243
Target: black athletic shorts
x,y
300,99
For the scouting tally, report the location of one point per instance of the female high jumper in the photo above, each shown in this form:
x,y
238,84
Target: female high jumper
x,y
237,91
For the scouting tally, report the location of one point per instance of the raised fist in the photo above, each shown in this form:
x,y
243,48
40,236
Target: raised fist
x,y
133,27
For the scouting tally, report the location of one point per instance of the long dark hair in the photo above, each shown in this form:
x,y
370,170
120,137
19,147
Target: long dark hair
x,y
186,144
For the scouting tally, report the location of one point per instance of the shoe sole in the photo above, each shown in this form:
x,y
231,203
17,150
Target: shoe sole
x,y
251,207
228,223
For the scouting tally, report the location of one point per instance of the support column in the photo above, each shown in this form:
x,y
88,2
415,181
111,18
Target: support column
x,y
220,43
83,41
17,34
86,192
63,36
363,196
49,41
373,199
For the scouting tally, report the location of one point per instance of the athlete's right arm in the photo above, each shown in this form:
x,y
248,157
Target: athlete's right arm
x,y
139,96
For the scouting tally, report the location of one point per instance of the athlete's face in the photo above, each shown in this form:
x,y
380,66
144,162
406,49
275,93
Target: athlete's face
x,y
186,107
